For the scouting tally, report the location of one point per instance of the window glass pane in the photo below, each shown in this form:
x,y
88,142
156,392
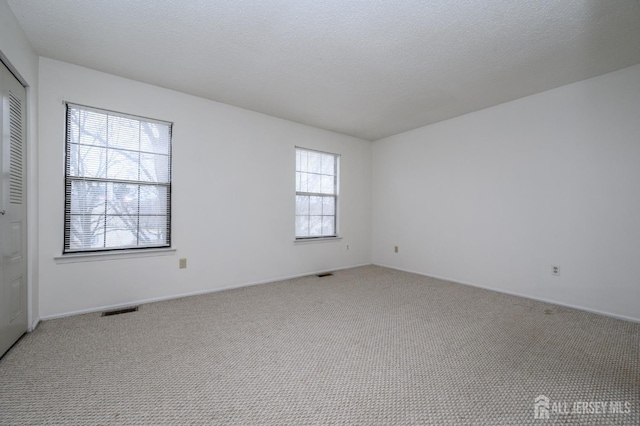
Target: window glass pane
x,y
124,133
327,185
328,206
154,168
154,137
88,197
92,128
74,165
73,129
304,157
72,160
328,164
314,183
304,182
315,205
121,231
302,204
315,226
122,199
153,200
315,162
328,225
122,165
153,230
302,226
86,232
87,161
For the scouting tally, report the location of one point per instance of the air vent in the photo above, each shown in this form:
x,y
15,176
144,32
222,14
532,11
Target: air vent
x,y
120,311
326,274
16,169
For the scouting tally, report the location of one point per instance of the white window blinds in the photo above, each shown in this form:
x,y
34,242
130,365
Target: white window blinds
x,y
316,194
117,181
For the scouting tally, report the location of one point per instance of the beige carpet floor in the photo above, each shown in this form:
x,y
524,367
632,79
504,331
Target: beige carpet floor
x,y
366,346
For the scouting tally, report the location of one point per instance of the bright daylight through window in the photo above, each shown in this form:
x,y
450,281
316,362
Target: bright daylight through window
x,y
316,194
117,181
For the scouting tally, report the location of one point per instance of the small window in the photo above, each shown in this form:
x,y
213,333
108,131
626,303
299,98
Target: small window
x,y
117,181
316,194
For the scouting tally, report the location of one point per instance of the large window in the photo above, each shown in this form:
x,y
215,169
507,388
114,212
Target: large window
x,y
316,194
117,181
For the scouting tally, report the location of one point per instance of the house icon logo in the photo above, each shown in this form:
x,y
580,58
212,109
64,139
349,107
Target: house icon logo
x,y
541,407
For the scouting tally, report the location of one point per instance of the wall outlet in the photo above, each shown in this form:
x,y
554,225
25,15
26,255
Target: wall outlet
x,y
347,247
395,249
555,270
183,263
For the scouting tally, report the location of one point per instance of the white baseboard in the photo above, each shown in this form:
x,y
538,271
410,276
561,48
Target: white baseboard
x,y
513,293
178,296
33,325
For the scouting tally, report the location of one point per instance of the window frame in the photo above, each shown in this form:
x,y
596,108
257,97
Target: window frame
x,y
68,179
335,195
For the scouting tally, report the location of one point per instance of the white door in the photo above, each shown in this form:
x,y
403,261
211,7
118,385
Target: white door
x,y
13,211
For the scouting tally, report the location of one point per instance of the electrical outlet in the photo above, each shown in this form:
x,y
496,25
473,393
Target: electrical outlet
x,y
347,247
555,270
183,263
395,249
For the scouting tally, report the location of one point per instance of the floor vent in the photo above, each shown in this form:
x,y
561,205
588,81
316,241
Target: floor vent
x,y
120,311
326,274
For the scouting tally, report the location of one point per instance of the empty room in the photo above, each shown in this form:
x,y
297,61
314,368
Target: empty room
x,y
320,212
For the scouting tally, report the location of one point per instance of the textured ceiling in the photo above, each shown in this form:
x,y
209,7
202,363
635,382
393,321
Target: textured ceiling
x,y
364,68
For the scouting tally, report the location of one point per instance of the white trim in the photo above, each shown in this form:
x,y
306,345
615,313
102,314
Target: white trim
x,y
112,255
513,293
316,240
13,70
33,325
194,293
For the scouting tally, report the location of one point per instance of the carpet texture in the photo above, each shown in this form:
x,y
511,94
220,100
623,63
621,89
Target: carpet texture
x,y
365,346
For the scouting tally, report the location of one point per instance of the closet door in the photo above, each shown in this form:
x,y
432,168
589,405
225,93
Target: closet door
x,y
13,211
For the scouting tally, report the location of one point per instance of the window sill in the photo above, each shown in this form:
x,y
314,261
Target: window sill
x,y
125,254
316,240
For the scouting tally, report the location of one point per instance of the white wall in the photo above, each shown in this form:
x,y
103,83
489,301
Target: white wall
x,y
16,50
495,197
233,196
492,198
